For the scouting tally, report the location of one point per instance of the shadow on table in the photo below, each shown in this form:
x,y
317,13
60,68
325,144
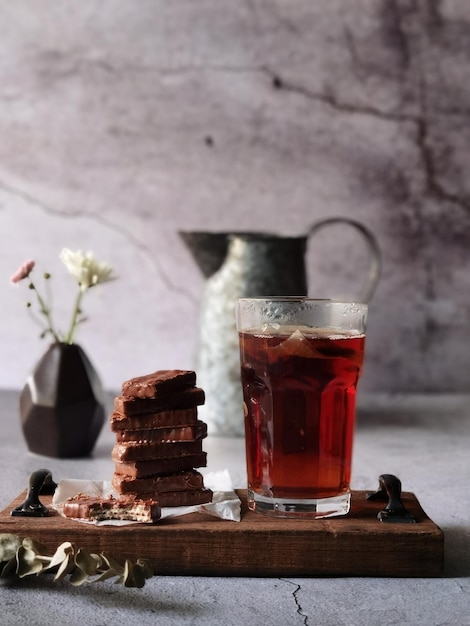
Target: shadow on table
x,y
446,413
456,551
105,595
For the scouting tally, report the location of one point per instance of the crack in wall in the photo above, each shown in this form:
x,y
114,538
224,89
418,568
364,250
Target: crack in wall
x,y
29,199
109,224
394,33
424,228
326,97
433,187
392,16
138,244
329,98
53,65
299,610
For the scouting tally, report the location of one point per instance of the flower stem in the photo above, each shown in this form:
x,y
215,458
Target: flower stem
x,y
46,312
75,313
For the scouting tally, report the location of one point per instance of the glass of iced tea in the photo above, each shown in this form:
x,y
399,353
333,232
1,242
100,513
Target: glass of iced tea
x,y
301,359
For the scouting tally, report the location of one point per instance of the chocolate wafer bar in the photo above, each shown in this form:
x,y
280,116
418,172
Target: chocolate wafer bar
x,y
181,481
185,399
162,435
147,451
159,467
189,497
158,383
182,417
159,439
98,509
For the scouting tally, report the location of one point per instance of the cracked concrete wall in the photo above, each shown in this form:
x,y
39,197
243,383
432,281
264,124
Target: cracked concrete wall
x,y
122,123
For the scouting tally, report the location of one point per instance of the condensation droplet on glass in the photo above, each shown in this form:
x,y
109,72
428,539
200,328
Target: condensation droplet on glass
x,y
351,308
270,325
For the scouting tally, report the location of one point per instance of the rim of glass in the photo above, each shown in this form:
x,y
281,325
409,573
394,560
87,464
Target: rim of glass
x,y
299,299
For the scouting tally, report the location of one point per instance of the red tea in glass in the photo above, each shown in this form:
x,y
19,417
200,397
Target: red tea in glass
x,y
299,386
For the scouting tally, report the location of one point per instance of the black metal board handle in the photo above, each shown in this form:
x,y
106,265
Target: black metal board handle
x,y
395,511
40,481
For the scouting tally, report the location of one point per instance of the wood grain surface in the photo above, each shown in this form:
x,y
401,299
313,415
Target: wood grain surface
x,y
200,545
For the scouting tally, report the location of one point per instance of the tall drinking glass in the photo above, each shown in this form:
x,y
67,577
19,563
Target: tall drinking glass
x,y
301,359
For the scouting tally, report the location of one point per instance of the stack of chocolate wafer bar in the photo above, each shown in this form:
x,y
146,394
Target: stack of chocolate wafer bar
x,y
159,439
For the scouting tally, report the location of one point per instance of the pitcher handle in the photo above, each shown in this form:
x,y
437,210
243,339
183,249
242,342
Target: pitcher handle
x,y
373,274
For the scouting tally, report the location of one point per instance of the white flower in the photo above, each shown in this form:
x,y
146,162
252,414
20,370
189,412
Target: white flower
x,y
85,268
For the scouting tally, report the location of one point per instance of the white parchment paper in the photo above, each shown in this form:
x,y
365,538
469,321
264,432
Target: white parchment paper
x,y
225,502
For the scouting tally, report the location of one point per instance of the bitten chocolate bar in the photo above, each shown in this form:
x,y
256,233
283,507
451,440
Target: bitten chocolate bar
x,y
183,417
98,509
144,469
158,383
181,481
162,435
142,451
178,400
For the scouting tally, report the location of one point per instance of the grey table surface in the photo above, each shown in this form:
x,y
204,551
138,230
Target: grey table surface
x,y
425,440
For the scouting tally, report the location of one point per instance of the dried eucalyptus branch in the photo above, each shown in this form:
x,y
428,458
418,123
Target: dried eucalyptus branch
x,y
22,556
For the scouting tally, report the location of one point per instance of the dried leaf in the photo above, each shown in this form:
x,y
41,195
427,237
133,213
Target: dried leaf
x,y
36,546
66,567
126,578
25,556
26,562
89,563
9,544
138,576
147,570
112,564
132,576
78,577
9,567
106,575
60,554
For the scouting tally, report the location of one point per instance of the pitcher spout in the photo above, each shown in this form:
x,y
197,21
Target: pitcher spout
x,y
207,248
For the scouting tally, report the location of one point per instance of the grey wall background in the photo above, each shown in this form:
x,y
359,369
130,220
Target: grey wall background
x,y
124,122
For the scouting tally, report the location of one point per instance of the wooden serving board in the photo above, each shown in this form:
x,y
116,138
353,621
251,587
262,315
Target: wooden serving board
x,y
200,545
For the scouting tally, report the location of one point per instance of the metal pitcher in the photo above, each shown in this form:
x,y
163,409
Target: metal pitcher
x,y
248,264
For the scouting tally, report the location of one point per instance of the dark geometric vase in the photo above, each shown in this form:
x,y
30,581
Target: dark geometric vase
x,y
62,404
